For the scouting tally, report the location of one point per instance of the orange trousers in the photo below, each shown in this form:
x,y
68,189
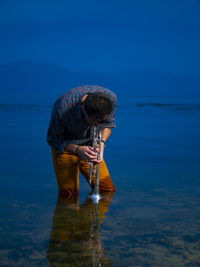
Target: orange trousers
x,y
67,167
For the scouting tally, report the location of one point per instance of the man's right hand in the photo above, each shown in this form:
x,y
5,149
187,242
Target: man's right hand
x,y
87,153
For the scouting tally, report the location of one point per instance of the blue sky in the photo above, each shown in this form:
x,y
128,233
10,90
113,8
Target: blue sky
x,y
109,36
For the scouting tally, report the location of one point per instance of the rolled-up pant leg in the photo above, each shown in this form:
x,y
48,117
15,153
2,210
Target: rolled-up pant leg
x,y
67,166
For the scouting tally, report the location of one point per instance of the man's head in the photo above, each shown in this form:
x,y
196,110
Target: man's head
x,y
97,108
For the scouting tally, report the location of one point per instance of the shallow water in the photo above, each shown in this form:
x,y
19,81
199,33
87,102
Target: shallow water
x,y
153,219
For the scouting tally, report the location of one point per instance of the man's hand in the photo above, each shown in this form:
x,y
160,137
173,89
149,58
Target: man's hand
x,y
87,154
102,152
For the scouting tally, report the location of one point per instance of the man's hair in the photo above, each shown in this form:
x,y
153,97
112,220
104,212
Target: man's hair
x,y
97,106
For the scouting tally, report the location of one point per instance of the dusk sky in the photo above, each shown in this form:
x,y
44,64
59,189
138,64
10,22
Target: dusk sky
x,y
109,36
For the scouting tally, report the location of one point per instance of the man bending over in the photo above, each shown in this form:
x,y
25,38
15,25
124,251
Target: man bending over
x,y
73,118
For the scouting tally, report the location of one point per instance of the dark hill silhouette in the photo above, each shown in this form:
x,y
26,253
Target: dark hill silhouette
x,y
37,83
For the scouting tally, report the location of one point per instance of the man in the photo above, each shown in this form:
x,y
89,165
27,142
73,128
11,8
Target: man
x,y
73,118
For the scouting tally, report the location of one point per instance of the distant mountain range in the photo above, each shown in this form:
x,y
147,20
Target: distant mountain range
x,y
25,82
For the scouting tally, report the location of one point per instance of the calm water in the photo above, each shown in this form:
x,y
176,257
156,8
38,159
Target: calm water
x,y
153,219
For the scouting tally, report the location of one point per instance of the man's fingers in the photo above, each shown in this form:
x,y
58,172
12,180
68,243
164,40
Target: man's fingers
x,y
97,149
91,157
91,151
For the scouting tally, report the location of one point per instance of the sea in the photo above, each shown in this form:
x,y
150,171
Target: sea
x,y
153,218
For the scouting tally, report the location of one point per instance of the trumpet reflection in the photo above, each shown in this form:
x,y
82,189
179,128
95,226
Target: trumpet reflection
x,y
75,236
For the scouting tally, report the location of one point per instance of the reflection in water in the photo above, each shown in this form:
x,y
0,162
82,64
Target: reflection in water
x,y
75,236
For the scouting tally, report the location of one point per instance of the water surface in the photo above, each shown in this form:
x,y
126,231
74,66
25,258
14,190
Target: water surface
x,y
153,219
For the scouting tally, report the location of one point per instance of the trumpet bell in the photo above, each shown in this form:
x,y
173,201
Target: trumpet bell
x,y
95,198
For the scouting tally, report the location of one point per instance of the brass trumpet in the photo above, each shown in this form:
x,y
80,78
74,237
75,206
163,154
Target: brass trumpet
x,y
96,140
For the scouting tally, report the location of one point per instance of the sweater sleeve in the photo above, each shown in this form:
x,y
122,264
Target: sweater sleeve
x,y
55,134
